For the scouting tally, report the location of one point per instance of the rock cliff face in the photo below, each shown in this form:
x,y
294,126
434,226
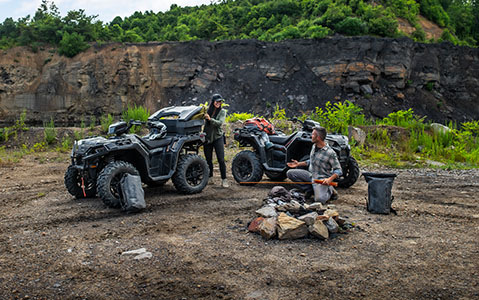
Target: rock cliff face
x,y
440,81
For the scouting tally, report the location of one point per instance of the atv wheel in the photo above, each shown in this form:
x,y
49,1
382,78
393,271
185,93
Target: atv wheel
x,y
350,174
109,181
192,174
73,183
275,176
246,167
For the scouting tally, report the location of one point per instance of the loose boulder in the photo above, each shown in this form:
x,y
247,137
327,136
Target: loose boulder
x,y
255,224
319,230
267,228
291,228
309,219
267,212
332,226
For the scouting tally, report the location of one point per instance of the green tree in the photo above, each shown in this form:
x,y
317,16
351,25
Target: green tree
x,y
447,36
383,25
72,44
351,26
433,10
335,14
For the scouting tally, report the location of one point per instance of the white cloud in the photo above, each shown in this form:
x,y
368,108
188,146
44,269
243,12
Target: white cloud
x,y
105,9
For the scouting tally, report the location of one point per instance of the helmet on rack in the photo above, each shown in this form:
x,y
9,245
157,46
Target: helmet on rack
x,y
157,130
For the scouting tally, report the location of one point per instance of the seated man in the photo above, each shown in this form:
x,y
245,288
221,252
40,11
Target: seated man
x,y
323,164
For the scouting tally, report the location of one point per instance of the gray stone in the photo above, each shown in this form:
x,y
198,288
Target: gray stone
x,y
291,228
293,206
309,219
316,206
435,163
439,128
281,192
332,226
319,230
357,134
351,86
267,212
143,256
366,89
135,252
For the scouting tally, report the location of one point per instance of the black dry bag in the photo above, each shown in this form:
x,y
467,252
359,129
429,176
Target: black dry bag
x,y
133,196
379,192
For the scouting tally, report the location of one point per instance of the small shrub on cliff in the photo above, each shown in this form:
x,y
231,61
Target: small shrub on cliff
x,y
238,117
49,132
72,44
336,117
105,122
279,113
137,113
404,118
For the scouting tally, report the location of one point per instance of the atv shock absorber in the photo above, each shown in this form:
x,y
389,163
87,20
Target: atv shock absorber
x,y
83,187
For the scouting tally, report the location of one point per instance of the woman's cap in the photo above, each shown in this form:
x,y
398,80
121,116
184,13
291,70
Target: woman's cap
x,y
217,97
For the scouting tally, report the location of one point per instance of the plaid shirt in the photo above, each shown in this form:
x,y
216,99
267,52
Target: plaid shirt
x,y
323,162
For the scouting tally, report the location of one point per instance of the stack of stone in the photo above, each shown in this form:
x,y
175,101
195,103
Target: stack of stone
x,y
286,216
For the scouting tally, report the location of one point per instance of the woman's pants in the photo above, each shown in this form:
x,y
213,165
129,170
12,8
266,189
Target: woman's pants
x,y
219,147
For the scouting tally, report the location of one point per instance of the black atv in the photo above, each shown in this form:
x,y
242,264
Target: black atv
x,y
99,163
271,157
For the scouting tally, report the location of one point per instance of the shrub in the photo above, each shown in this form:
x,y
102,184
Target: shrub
x,y
92,123
405,119
105,122
335,14
336,117
433,10
419,35
385,25
288,32
317,32
137,113
50,132
279,113
239,116
447,36
351,26
408,9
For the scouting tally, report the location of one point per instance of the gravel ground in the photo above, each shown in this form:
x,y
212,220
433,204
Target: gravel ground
x,y
55,247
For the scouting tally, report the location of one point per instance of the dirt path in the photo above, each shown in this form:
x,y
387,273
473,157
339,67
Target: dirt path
x,y
55,247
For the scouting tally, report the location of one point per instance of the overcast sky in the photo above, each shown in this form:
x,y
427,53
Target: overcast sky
x,y
105,9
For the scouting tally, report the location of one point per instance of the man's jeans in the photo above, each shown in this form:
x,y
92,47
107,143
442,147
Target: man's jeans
x,y
322,193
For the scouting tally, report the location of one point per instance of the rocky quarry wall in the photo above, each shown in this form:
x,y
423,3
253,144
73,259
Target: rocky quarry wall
x,y
440,81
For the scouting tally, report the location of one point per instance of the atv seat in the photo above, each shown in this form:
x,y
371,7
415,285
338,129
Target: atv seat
x,y
280,139
153,144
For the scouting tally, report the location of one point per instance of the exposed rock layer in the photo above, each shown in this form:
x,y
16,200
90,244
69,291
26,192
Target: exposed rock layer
x,y
380,75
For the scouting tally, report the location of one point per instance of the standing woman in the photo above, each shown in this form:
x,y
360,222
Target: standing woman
x,y
215,117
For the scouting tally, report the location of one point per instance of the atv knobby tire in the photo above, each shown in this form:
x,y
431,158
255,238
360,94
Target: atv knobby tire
x,y
350,174
246,167
275,176
73,183
108,182
192,174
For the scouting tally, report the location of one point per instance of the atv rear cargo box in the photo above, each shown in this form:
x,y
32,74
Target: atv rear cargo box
x,y
178,119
